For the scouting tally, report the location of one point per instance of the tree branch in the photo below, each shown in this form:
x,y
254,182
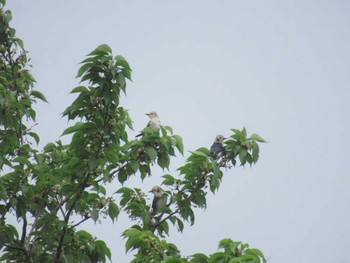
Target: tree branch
x,y
82,221
164,219
24,230
63,201
66,219
114,172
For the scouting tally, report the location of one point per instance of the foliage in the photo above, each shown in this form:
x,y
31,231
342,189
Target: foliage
x,y
54,190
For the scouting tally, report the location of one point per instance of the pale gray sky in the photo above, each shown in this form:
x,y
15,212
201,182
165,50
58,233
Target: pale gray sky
x,y
279,68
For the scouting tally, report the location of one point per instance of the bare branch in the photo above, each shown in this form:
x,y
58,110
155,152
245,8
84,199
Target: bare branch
x,y
82,221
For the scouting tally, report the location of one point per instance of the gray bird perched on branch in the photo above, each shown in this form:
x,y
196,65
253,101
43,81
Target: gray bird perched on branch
x,y
217,150
159,199
154,121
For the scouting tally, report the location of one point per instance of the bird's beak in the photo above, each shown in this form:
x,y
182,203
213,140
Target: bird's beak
x,y
147,114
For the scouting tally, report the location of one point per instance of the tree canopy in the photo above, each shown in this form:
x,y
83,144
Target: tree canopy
x,y
45,189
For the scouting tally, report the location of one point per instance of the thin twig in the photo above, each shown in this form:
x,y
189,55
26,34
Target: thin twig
x,y
82,221
114,172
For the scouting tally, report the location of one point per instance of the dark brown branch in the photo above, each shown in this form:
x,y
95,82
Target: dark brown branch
x,y
114,172
24,230
66,219
63,201
164,219
82,221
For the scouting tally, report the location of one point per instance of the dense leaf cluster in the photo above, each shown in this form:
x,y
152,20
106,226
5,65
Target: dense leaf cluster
x,y
54,190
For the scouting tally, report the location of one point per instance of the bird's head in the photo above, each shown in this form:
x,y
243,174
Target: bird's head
x,y
152,114
219,138
157,191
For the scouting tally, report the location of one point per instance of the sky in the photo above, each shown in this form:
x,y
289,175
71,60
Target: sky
x,y
278,68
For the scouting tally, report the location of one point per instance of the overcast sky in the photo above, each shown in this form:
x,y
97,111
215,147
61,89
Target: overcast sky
x,y
278,68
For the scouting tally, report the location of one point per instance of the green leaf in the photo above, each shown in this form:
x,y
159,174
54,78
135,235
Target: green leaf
x,y
46,219
49,147
199,258
218,257
13,230
121,81
236,260
256,137
84,235
199,200
104,48
11,32
22,160
164,227
102,250
34,136
164,161
122,62
200,153
257,252
101,49
134,166
94,215
238,135
246,258
152,153
135,238
83,69
255,153
227,242
180,225
236,131
80,89
73,129
7,16
168,128
168,179
125,190
92,163
19,42
127,73
113,210
243,156
3,193
179,143
38,94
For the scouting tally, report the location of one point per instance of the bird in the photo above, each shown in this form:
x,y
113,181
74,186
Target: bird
x,y
154,121
159,199
217,150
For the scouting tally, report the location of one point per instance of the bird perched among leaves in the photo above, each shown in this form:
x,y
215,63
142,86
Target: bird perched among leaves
x,y
159,199
217,150
154,121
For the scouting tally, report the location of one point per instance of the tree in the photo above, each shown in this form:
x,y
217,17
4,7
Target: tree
x,y
46,189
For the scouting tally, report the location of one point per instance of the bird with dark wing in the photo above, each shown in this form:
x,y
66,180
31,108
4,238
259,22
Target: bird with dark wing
x,y
217,150
159,199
